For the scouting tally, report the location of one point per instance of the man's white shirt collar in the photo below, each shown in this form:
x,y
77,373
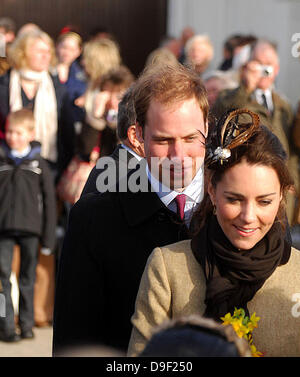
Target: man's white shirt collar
x,y
194,192
268,94
138,157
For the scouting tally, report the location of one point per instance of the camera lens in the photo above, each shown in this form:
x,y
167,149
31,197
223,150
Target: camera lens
x,y
266,70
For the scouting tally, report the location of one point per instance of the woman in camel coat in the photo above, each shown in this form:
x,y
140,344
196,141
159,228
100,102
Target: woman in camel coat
x,y
239,255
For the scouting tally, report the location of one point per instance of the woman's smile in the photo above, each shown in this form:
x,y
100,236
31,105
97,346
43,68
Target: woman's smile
x,y
245,232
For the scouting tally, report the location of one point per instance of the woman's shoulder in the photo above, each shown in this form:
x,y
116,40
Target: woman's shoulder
x,y
177,246
287,276
293,264
177,257
176,250
295,253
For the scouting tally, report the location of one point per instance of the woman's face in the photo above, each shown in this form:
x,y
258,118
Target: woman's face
x,y
68,50
38,56
247,201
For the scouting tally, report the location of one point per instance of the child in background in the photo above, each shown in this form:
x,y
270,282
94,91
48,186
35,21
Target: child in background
x,y
27,217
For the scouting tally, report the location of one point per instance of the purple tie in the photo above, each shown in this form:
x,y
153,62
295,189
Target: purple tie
x,y
180,201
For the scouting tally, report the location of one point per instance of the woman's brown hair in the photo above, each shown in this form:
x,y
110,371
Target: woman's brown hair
x,y
262,147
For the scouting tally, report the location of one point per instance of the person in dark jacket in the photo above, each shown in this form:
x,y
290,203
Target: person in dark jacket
x,y
110,235
27,217
71,74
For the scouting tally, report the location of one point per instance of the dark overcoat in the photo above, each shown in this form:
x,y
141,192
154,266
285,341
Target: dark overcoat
x,y
108,241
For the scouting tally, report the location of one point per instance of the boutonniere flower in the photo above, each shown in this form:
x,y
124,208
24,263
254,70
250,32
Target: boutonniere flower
x,y
243,326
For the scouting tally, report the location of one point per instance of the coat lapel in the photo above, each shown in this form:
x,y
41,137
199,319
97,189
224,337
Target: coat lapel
x,y
140,205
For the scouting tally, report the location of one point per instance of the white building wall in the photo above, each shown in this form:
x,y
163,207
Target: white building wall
x,y
277,20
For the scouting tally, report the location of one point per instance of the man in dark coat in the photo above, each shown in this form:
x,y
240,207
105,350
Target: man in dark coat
x,y
111,235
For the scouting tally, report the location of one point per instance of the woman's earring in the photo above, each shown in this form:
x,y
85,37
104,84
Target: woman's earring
x,y
214,209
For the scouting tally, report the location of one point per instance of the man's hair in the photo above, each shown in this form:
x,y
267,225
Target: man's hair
x,y
126,114
168,85
262,42
23,118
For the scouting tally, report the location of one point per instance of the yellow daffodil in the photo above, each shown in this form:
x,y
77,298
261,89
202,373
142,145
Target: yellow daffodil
x,y
243,326
254,320
254,351
227,319
239,328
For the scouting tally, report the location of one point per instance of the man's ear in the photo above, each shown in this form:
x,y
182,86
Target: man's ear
x,y
137,146
132,136
139,132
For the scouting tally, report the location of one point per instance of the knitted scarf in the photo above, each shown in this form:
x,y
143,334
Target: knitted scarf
x,y
45,108
234,276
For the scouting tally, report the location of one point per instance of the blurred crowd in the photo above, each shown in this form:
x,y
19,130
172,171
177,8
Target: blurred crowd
x,y
73,87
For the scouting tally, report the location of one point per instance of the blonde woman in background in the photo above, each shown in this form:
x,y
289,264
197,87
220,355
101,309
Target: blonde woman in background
x,y
99,57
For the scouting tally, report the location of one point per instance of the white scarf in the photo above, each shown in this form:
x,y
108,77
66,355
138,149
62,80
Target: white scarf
x,y
45,108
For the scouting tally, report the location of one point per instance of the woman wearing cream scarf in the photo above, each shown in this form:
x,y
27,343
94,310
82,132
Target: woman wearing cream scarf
x,y
31,56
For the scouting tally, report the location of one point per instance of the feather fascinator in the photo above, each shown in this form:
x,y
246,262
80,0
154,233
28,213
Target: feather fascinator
x,y
231,131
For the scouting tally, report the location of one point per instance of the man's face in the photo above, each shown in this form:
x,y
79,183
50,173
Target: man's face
x,y
174,138
266,56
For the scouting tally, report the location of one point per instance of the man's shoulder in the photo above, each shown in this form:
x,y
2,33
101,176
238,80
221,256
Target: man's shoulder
x,y
119,156
239,92
282,101
94,200
230,99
